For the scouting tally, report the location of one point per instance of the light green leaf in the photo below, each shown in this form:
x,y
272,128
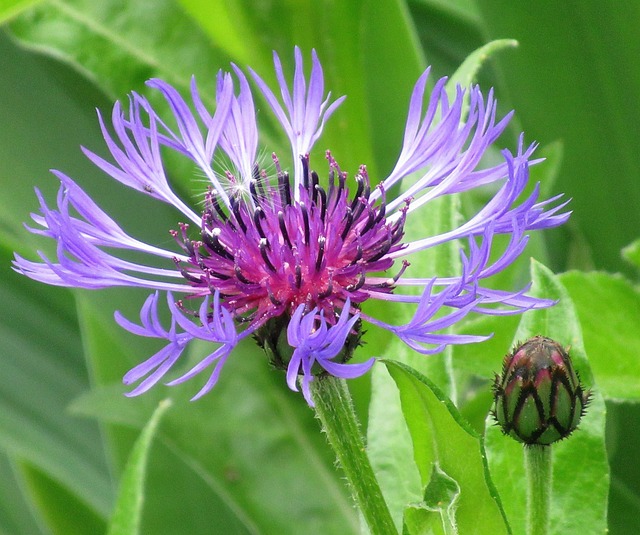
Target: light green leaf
x,y
580,468
442,438
437,512
128,509
466,74
12,8
632,253
119,44
608,307
384,408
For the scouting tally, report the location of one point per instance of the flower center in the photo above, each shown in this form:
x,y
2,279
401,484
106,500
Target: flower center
x,y
273,251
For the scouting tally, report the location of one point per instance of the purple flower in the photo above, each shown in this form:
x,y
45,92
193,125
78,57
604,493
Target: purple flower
x,y
281,253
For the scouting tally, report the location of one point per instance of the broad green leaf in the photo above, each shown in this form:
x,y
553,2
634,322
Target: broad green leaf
x,y
42,371
608,307
389,444
550,80
632,253
387,431
119,44
580,469
54,501
128,508
443,441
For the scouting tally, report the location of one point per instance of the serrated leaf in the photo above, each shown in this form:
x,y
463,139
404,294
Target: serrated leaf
x,y
442,438
580,468
127,513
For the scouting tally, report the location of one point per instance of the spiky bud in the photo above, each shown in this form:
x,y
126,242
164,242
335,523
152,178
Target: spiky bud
x,y
539,398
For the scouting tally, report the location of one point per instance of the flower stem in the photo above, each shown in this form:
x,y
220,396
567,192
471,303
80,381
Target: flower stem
x,y
334,408
539,473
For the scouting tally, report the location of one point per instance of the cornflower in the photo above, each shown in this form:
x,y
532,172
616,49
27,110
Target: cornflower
x,y
285,256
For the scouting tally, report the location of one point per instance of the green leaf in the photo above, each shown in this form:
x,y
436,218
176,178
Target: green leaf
x,y
387,430
466,74
128,509
442,439
54,501
242,447
624,499
110,44
437,512
632,253
12,8
384,424
580,468
545,79
16,516
608,307
42,370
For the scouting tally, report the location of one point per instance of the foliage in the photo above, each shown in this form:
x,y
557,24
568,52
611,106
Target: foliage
x,y
249,457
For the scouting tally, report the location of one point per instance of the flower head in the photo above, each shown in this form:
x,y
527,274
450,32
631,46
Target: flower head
x,y
292,256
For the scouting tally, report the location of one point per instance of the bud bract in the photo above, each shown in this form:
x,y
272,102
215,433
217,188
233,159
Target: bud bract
x,y
538,397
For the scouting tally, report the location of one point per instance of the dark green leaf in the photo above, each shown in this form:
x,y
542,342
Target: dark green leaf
x,y
54,501
120,44
572,89
16,515
42,370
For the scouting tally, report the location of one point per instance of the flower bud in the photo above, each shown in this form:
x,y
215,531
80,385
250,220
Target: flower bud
x,y
538,397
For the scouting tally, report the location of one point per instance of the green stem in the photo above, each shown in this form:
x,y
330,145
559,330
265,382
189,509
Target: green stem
x,y
539,473
334,408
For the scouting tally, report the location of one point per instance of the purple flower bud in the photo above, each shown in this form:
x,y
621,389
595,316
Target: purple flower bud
x,y
539,398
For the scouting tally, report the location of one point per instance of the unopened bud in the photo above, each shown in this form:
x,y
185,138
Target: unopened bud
x,y
538,397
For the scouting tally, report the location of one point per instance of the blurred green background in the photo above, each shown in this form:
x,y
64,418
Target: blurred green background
x,y
574,82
